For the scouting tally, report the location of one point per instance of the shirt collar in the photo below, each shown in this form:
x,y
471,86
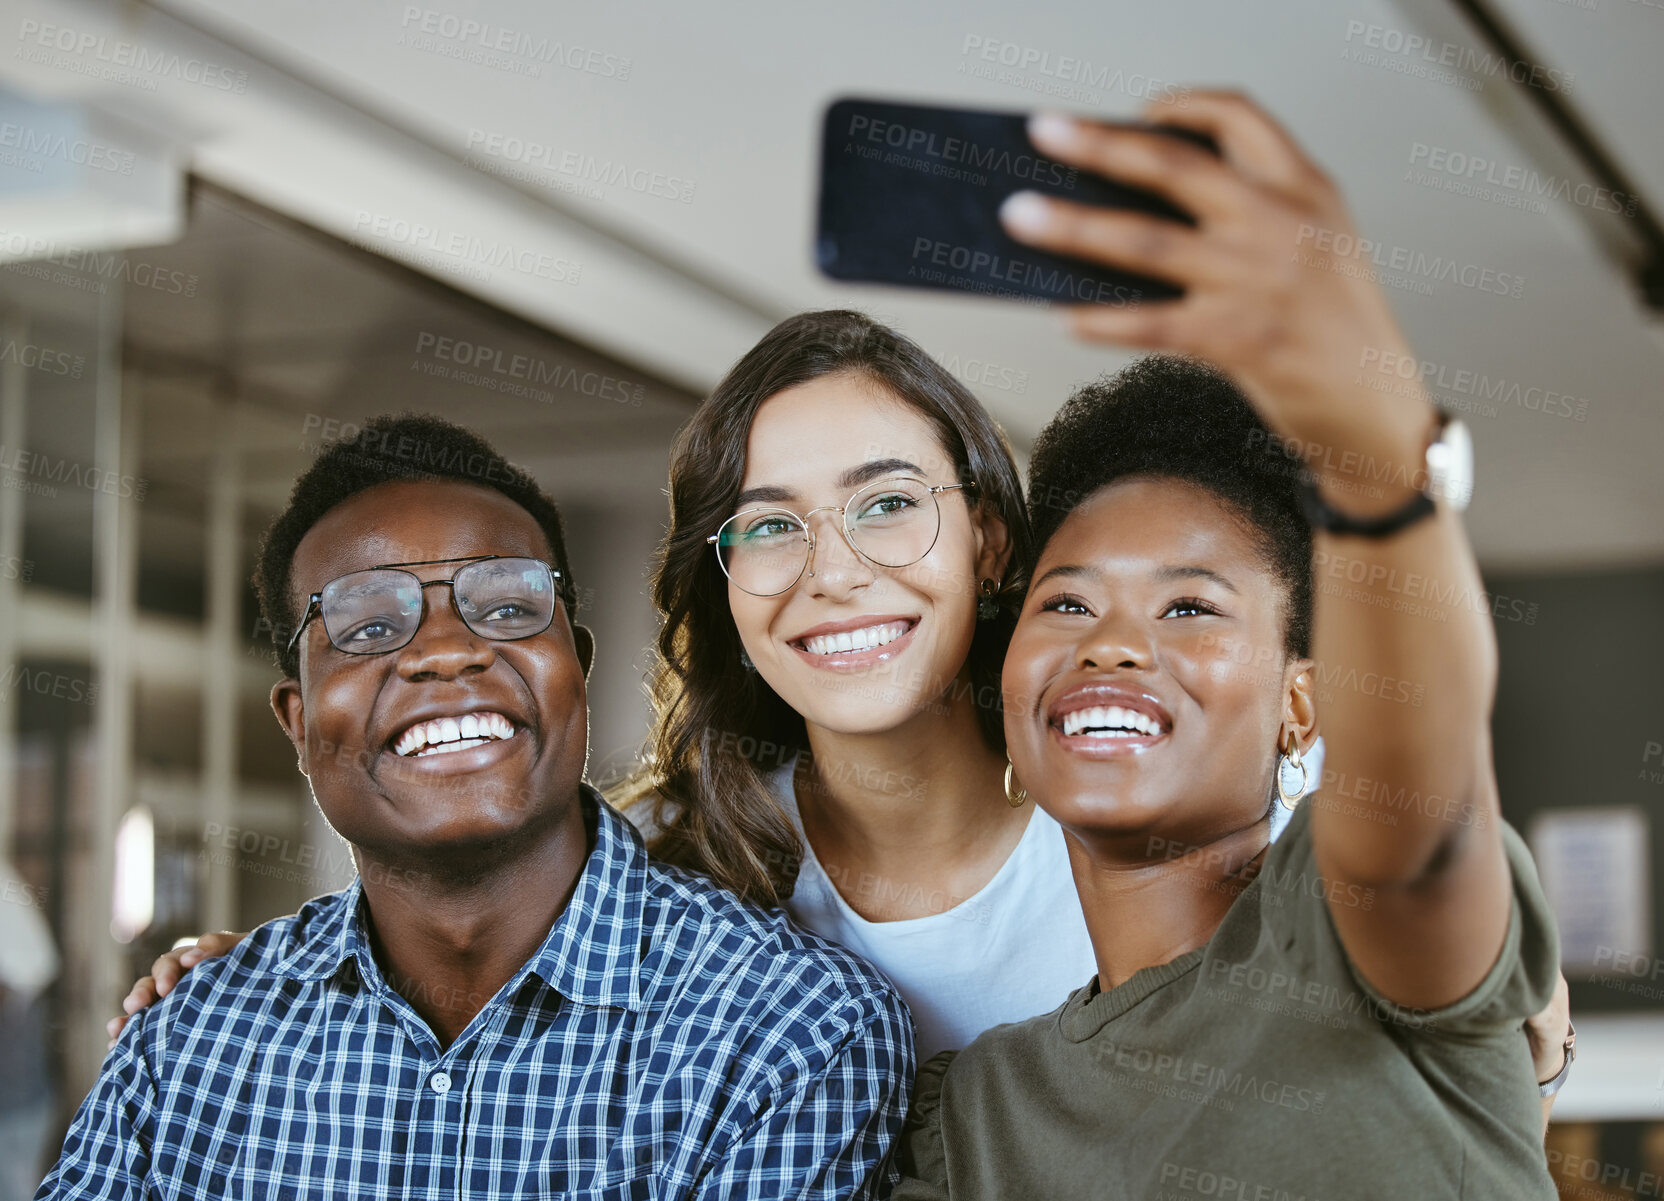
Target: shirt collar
x,y
592,953
328,940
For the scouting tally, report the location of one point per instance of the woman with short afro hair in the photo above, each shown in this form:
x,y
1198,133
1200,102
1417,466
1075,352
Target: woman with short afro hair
x,y
1335,1014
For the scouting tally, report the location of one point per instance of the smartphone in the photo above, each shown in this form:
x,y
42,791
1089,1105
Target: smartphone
x,y
910,196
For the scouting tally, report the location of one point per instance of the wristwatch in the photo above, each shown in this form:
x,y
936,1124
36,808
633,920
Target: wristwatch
x,y
1549,1087
1449,463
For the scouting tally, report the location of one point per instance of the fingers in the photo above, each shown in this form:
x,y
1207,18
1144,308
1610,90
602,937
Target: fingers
x,y
164,974
169,967
1187,175
1131,241
141,994
1251,140
209,946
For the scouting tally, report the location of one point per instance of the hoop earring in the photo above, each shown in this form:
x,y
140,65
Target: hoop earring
x,y
987,608
1289,761
1010,777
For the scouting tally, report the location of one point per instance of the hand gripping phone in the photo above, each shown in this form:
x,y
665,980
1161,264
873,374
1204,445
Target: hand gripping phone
x,y
910,196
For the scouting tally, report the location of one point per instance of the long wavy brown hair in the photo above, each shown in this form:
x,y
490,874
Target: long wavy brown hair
x,y
720,728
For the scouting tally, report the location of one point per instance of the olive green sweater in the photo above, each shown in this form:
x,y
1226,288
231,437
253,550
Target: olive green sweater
x,y
1259,1067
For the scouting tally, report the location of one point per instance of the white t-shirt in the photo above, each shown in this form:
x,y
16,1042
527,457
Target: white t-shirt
x,y
1015,949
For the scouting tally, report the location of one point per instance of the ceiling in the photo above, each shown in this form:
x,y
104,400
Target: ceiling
x,y
280,339
277,339
343,100
309,336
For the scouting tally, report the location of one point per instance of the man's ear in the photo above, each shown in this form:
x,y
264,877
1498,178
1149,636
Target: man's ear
x,y
291,715
585,642
1300,703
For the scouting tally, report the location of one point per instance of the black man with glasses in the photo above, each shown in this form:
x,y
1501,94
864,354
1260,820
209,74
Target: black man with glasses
x,y
510,1000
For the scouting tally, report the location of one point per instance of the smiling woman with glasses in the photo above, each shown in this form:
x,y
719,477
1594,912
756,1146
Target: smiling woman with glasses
x,y
892,522
839,581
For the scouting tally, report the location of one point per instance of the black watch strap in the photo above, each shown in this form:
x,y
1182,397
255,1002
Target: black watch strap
x,y
1324,516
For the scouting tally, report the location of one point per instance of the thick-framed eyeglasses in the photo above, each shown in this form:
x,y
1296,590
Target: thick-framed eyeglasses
x,y
892,523
378,610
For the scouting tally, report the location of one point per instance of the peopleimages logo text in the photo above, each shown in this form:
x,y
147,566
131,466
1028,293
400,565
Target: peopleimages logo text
x,y
21,463
533,47
119,53
1477,168
974,263
1434,52
463,247
1070,72
489,361
996,160
584,167
32,251
1414,263
44,144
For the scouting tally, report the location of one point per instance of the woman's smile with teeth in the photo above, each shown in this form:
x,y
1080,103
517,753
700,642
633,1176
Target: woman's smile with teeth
x,y
443,735
864,639
1109,722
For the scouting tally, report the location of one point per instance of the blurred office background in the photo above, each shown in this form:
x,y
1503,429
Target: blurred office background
x,y
230,232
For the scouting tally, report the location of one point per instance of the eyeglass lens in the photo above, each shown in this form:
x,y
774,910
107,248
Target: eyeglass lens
x,y
368,612
892,523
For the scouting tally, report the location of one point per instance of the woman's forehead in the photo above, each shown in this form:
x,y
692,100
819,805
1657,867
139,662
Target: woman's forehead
x,y
813,433
1152,524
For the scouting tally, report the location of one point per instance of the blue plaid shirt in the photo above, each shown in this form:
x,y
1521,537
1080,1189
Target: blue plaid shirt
x,y
665,1041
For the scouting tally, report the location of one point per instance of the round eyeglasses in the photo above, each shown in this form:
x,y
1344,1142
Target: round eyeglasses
x,y
891,523
375,611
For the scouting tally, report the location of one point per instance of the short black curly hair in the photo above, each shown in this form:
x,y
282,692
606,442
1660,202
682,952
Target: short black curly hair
x,y
404,446
1177,418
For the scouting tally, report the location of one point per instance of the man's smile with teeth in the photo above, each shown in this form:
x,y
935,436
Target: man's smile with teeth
x,y
443,735
864,639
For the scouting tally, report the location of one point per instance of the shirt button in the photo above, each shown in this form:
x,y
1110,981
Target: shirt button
x,y
440,1082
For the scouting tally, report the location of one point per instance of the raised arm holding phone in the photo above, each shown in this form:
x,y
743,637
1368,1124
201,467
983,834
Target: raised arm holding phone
x,y
1292,324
